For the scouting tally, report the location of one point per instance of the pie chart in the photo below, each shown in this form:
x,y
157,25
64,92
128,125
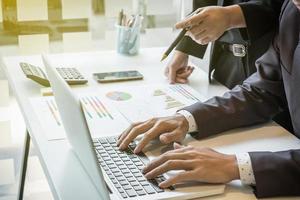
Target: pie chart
x,y
118,96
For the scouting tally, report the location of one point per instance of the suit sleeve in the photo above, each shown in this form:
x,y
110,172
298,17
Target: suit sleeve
x,y
261,16
276,173
259,98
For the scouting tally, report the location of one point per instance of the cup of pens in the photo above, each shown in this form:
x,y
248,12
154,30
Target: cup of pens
x,y
128,34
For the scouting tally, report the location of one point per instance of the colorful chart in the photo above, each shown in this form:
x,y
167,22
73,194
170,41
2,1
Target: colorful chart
x,y
118,96
53,109
93,105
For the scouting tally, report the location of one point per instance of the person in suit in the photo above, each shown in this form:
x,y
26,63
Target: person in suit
x,y
274,87
245,24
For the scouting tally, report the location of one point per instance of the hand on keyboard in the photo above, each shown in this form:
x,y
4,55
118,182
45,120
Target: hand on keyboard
x,y
199,164
168,129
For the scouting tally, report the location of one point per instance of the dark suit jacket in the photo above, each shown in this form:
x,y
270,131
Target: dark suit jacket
x,y
275,86
261,17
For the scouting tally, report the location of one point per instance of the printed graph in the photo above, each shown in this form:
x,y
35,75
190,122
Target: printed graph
x,y
181,90
94,107
169,101
118,96
53,110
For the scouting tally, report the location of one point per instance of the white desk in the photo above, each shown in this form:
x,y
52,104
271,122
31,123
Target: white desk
x,y
65,175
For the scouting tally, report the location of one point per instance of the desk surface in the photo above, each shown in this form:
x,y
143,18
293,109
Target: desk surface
x,y
63,171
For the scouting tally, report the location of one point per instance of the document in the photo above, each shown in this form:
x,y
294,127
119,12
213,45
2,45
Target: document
x,y
109,112
102,118
139,103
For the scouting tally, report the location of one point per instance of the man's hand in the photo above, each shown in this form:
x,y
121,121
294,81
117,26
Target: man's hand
x,y
177,70
199,164
168,129
211,22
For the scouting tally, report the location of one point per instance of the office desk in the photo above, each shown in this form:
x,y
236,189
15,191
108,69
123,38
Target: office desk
x,y
66,177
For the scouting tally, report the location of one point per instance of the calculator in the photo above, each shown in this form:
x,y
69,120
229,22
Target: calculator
x,y
71,75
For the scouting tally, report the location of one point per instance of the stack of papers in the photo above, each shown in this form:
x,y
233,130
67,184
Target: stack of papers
x,y
110,112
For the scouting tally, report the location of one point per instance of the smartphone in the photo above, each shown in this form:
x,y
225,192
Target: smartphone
x,y
118,76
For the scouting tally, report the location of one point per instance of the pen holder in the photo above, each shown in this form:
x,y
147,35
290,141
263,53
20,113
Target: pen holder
x,y
128,40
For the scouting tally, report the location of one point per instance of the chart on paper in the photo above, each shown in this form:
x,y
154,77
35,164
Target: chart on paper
x,y
47,111
102,118
140,103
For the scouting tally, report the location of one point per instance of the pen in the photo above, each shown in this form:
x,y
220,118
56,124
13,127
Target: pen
x,y
121,13
178,38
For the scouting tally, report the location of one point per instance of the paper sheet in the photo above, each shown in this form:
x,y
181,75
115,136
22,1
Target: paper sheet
x,y
103,119
110,112
46,110
140,103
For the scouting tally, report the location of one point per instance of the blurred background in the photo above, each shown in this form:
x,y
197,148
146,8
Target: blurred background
x,y
55,26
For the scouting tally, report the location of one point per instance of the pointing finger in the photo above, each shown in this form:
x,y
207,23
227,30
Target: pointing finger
x,y
190,21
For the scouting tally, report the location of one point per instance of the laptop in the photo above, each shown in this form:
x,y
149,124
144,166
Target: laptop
x,y
115,174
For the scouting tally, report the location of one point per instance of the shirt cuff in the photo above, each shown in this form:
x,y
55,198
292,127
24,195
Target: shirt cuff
x,y
191,120
245,169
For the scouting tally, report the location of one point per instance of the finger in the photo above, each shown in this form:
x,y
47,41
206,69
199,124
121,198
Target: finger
x,y
182,70
168,166
152,133
163,159
177,146
185,74
181,80
135,131
182,149
206,40
173,136
190,21
198,28
172,75
124,134
180,177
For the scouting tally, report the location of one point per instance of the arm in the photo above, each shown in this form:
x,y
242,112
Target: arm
x,y
259,98
261,16
276,173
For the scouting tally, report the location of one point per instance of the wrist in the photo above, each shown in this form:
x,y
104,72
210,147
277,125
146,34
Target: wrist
x,y
235,17
233,168
181,54
183,122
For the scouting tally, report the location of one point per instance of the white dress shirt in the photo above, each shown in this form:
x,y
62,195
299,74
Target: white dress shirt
x,y
243,159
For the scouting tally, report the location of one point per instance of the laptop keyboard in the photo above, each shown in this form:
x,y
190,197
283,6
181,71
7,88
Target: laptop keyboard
x,y
124,168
